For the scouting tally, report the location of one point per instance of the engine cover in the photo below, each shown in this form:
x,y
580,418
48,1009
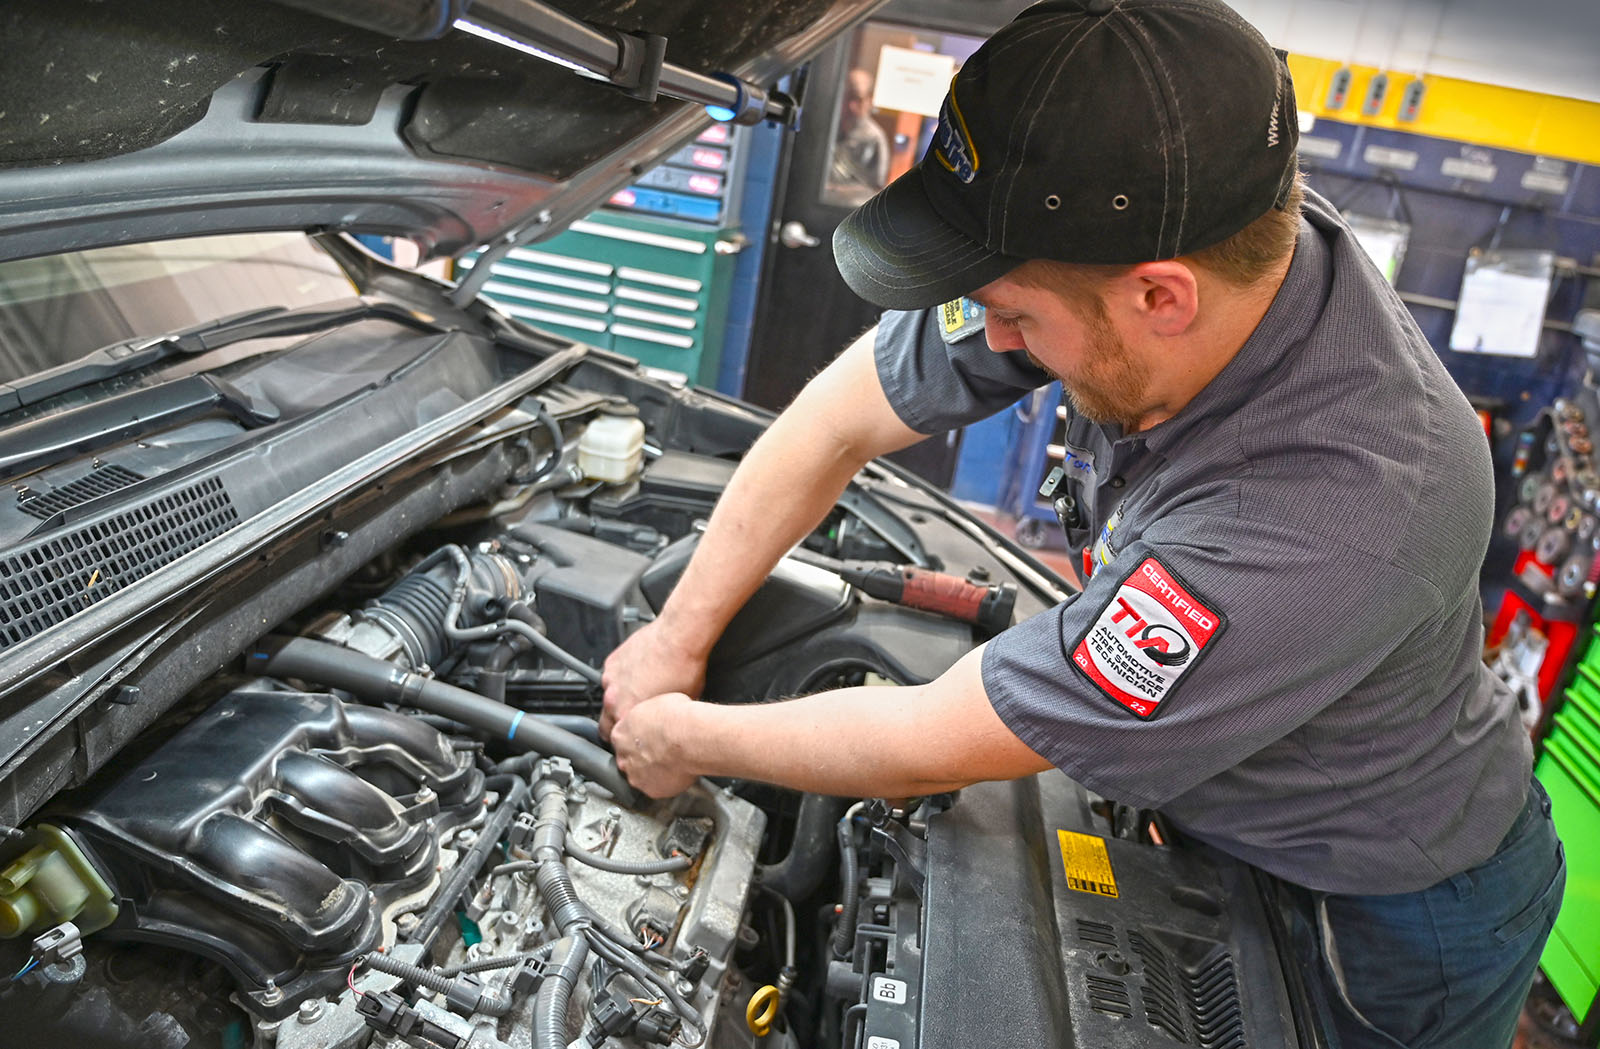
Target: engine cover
x,y
273,831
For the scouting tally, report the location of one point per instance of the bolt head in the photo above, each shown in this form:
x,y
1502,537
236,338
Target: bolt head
x,y
310,1011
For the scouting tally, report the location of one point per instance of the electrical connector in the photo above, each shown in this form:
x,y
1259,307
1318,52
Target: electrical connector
x,y
60,944
696,966
658,1026
388,1013
464,995
613,1014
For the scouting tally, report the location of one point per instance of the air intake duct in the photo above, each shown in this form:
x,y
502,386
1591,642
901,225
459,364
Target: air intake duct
x,y
416,608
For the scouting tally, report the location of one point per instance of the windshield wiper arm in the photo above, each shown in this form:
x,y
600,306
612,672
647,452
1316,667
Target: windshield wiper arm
x,y
272,322
42,442
119,358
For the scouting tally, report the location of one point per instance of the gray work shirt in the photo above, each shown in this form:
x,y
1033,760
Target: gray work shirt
x,y
1282,648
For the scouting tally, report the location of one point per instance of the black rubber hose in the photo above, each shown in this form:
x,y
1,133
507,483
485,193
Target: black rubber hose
x,y
799,874
580,726
492,675
378,680
670,865
552,458
577,724
523,620
514,795
561,975
844,935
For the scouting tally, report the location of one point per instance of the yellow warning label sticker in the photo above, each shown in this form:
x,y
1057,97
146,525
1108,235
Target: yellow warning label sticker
x,y
1087,864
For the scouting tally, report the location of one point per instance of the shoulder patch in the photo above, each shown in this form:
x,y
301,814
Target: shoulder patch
x,y
959,319
1147,639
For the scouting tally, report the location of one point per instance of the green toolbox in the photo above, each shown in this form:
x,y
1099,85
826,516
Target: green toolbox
x,y
1570,770
653,289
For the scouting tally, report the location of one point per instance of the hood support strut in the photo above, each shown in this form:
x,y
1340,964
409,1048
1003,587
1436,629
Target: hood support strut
x,y
634,62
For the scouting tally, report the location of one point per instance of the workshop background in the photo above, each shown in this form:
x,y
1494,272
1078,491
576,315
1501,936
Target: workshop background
x,y
1461,138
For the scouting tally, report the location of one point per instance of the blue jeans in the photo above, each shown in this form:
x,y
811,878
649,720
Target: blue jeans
x,y
1448,967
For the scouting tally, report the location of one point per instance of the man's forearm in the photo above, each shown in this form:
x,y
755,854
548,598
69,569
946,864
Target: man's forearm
x,y
783,489
859,742
778,495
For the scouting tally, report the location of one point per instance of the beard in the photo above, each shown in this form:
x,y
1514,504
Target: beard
x,y
1109,384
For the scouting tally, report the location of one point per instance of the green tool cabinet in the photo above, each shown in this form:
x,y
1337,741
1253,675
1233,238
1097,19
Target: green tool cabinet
x,y
652,289
1569,768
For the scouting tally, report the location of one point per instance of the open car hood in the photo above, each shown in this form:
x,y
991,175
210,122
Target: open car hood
x,y
165,118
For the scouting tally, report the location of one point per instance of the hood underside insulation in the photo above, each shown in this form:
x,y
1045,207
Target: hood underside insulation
x,y
87,79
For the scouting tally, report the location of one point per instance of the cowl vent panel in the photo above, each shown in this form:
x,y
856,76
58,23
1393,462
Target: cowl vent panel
x,y
103,481
46,582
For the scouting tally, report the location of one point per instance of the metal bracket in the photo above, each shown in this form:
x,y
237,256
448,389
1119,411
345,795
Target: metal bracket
x,y
467,288
908,851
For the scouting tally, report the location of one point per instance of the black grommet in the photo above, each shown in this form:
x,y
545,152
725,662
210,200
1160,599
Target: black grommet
x,y
1120,202
1052,202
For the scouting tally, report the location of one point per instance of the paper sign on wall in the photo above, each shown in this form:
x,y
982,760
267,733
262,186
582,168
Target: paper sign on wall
x,y
912,81
1503,299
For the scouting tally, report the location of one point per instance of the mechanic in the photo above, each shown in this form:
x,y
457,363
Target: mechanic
x,y
1285,498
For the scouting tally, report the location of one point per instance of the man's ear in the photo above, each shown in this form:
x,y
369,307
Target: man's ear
x,y
1162,297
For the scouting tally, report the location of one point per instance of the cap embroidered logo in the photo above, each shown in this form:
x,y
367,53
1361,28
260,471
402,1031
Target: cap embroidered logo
x,y
952,144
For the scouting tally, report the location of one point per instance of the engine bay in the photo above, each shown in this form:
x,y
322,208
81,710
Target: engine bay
x,y
377,812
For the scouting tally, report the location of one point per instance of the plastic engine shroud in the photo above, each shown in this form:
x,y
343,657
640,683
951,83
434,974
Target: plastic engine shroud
x,y
273,830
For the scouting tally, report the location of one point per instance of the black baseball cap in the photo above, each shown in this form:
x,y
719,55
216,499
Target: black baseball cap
x,y
1087,131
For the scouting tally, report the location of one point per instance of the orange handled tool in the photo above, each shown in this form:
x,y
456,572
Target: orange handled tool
x,y
987,606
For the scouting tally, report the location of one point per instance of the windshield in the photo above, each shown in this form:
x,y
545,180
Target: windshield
x,y
58,308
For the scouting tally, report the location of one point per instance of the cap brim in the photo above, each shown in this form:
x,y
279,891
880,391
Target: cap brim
x,y
895,251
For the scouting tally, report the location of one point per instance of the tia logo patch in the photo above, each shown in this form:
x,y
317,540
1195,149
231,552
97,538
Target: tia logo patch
x,y
1152,633
952,143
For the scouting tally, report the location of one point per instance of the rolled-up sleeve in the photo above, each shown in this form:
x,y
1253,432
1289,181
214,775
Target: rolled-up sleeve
x,y
934,387
1200,644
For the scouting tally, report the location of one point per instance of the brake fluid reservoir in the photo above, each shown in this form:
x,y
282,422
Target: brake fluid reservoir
x,y
612,448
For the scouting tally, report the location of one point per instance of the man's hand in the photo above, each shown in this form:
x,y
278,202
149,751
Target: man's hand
x,y
646,741
649,663
853,742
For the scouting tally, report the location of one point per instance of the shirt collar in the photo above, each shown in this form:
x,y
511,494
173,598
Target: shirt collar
x,y
1287,323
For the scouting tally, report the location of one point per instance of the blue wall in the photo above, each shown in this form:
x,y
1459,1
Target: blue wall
x,y
1451,216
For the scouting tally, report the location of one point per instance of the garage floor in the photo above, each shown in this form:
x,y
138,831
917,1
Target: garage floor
x,y
1054,557
1543,1022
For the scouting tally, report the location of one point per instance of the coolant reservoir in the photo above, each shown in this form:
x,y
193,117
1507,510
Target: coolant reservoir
x,y
612,448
